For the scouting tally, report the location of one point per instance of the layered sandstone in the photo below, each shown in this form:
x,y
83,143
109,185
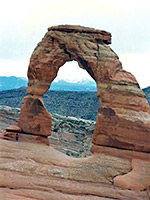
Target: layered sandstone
x,y
30,171
124,111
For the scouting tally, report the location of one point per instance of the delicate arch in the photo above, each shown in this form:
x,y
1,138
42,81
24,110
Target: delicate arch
x,y
121,98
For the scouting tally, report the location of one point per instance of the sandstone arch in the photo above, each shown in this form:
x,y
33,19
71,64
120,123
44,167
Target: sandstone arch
x,y
123,119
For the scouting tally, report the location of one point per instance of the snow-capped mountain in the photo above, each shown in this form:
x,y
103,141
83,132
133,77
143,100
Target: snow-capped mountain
x,y
74,85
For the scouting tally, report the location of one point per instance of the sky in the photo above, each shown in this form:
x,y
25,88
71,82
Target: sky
x,y
24,23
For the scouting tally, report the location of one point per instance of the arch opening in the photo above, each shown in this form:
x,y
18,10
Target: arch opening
x,y
73,105
72,72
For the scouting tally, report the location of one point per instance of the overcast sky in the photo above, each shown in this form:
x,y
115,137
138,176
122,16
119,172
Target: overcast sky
x,y
24,23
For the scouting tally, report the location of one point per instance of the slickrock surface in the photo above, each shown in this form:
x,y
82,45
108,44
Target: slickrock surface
x,y
35,171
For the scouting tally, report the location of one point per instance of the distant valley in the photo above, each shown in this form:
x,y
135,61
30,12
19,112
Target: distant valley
x,y
82,104
68,103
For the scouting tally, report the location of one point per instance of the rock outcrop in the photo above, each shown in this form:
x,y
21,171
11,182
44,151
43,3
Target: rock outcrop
x,y
72,136
121,150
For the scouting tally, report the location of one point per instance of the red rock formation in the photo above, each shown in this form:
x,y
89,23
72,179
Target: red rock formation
x,y
138,178
121,150
124,111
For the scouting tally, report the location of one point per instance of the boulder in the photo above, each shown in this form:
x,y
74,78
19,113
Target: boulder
x,y
34,118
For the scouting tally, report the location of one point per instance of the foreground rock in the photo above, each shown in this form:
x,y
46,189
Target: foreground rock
x,y
34,171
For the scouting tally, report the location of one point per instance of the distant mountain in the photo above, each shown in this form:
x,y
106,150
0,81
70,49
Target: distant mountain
x,y
147,93
12,82
82,85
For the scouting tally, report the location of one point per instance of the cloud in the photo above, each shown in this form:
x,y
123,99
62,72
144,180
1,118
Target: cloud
x,y
24,23
138,64
14,68
72,71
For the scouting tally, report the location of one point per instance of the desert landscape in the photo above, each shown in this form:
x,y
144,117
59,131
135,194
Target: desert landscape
x,y
107,159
